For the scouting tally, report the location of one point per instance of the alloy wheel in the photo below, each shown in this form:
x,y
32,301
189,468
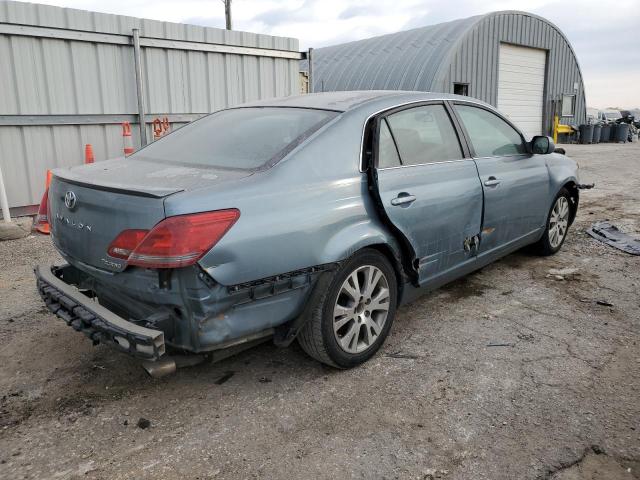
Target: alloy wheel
x,y
361,309
558,222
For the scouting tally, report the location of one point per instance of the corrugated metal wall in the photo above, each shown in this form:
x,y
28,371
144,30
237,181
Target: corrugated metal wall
x,y
432,58
67,78
475,61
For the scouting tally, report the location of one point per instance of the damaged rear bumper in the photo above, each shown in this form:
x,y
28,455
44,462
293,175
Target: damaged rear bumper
x,y
95,321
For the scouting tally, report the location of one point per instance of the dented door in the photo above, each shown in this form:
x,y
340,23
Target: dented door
x,y
428,189
515,182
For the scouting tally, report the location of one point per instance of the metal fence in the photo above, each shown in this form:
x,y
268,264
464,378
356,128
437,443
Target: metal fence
x,y
68,78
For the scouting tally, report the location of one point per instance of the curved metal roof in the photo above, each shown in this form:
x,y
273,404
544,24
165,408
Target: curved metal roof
x,y
407,60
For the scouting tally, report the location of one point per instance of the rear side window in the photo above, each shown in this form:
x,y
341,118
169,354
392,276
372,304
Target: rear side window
x,y
242,138
490,135
387,153
425,135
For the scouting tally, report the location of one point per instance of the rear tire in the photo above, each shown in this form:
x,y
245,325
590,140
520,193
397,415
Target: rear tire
x,y
557,225
352,319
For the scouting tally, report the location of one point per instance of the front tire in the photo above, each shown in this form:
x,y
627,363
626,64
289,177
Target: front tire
x,y
352,319
557,225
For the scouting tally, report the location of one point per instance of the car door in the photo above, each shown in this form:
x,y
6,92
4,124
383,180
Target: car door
x,y
515,182
429,190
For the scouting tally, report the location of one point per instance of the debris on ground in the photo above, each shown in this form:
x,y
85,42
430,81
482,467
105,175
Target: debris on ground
x,y
497,344
604,303
143,423
608,233
402,355
563,273
224,378
432,474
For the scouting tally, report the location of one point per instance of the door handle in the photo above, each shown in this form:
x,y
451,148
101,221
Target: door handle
x,y
492,182
403,198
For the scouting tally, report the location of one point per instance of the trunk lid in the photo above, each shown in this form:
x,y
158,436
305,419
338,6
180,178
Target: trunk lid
x,y
148,176
108,197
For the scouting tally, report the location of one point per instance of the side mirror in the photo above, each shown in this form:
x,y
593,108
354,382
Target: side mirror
x,y
542,145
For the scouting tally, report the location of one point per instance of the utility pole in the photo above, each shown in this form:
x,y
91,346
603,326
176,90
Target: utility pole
x,y
227,12
310,71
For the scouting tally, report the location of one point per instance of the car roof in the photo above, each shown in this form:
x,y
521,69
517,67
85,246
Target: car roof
x,y
351,100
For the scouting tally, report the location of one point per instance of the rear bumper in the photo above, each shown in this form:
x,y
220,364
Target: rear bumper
x,y
86,315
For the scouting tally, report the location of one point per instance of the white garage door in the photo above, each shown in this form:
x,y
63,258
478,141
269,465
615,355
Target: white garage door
x,y
521,86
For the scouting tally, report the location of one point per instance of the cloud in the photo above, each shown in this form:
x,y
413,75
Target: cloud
x,y
362,10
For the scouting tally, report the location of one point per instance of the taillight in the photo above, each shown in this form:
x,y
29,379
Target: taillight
x,y
126,243
175,241
41,223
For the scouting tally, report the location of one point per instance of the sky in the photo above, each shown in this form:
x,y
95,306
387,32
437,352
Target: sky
x,y
604,34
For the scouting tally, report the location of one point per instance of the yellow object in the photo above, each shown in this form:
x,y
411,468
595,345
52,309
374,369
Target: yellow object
x,y
558,128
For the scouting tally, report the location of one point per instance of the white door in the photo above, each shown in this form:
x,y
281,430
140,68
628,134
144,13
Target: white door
x,y
521,86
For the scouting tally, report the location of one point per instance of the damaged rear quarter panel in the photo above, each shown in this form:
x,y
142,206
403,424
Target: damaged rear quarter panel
x,y
312,208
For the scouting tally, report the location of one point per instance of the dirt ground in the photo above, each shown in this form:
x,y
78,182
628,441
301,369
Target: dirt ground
x,y
556,398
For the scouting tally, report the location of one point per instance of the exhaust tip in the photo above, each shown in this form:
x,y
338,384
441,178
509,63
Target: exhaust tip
x,y
160,368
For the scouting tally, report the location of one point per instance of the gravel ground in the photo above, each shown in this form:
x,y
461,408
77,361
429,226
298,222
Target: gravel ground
x,y
558,401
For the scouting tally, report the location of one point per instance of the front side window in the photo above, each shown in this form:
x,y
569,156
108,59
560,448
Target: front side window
x,y
425,135
241,138
490,135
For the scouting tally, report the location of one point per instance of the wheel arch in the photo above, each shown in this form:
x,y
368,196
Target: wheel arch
x,y
371,234
572,187
396,262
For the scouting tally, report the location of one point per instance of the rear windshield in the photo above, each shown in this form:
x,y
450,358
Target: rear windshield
x,y
242,138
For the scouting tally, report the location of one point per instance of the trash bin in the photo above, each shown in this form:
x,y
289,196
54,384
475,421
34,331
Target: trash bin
x,y
597,130
622,132
586,133
614,129
605,133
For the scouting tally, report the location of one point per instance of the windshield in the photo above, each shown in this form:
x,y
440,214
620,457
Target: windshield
x,y
612,115
241,138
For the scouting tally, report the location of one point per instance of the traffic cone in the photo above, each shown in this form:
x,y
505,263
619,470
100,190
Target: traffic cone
x,y
157,129
41,223
88,153
126,138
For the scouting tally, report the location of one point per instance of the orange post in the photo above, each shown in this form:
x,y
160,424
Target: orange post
x,y
88,153
47,180
126,138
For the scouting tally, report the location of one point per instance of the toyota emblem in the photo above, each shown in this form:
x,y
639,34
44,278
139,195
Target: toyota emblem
x,y
70,200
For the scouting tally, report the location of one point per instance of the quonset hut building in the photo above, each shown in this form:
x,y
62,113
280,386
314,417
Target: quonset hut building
x,y
516,61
